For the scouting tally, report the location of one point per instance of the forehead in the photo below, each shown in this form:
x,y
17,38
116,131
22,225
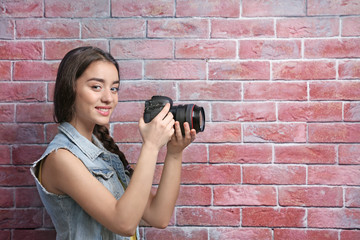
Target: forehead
x,y
101,69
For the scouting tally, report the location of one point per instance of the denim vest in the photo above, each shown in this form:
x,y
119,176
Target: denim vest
x,y
69,219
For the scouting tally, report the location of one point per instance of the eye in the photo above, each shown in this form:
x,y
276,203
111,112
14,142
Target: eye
x,y
96,87
115,89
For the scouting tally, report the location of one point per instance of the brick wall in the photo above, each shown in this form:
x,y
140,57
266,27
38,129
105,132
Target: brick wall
x,y
280,82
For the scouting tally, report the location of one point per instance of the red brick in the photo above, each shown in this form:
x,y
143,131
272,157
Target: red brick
x,y
5,234
126,132
350,26
307,27
334,132
50,131
220,132
333,218
208,216
248,112
50,91
309,70
311,196
26,154
144,90
352,197
38,71
212,8
47,28
130,70
5,155
216,49
299,234
332,48
334,175
275,132
144,8
245,195
240,233
194,195
22,92
58,49
27,197
275,91
305,154
349,154
335,90
257,153
273,217
178,28
272,8
310,111
274,174
210,174
270,49
175,69
128,112
34,234
113,28
349,69
6,198
239,70
5,70
177,233
73,9
236,28
7,27
349,234
195,153
141,49
15,176
7,113
332,7
20,50
30,8
21,133
24,218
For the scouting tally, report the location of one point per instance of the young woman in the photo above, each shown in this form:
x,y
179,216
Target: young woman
x,y
83,178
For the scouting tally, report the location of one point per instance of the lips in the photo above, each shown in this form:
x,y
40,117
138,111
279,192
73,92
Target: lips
x,y
104,111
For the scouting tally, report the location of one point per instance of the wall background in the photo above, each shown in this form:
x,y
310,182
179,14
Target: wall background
x,y
280,82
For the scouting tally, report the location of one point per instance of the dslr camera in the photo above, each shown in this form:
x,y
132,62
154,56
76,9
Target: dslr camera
x,y
190,113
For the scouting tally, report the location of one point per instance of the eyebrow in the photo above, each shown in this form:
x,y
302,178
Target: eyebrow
x,y
102,80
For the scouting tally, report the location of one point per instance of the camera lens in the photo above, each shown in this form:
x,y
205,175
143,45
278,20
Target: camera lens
x,y
190,113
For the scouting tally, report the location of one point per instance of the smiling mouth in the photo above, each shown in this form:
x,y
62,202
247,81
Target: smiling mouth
x,y
103,111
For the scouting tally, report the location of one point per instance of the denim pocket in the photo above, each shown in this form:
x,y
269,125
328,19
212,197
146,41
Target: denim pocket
x,y
104,173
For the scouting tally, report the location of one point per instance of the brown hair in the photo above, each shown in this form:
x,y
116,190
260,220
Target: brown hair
x,y
72,66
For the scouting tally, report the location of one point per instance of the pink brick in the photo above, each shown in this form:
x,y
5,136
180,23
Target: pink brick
x,y
332,7
141,90
311,196
6,198
211,174
5,157
350,26
349,154
334,132
128,111
34,113
20,218
332,48
350,234
11,176
239,70
299,234
240,233
27,197
177,233
273,132
178,28
141,49
273,217
206,8
5,71
80,8
31,8
50,131
22,92
20,50
38,71
47,28
58,49
194,195
275,91
270,49
144,8
310,112
349,69
208,216
236,28
352,197
333,218
126,133
300,70
305,154
5,234
248,112
34,234
7,27
274,174
220,132
113,28
130,70
175,69
334,175
335,90
21,133
271,8
7,113
257,153
205,49
307,27
26,154
245,195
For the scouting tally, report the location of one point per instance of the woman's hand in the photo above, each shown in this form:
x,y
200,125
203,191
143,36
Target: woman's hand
x,y
179,142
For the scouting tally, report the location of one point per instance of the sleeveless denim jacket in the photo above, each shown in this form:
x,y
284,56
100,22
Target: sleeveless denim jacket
x,y
70,220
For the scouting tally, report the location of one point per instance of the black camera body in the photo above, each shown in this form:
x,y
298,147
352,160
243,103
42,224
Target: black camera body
x,y
190,113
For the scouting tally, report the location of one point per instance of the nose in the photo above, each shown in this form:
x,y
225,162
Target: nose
x,y
107,96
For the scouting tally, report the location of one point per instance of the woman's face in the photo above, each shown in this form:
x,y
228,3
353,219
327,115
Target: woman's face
x,y
96,96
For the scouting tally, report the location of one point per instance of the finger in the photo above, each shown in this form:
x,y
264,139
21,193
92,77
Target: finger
x,y
178,131
187,130
163,112
193,135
